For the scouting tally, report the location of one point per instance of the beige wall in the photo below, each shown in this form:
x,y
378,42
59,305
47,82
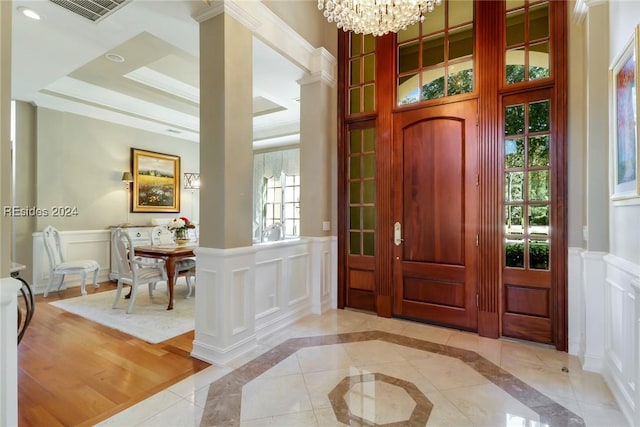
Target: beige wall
x,y
297,14
80,161
26,174
576,142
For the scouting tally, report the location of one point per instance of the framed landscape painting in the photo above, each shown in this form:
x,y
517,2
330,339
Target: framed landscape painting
x,y
156,181
625,121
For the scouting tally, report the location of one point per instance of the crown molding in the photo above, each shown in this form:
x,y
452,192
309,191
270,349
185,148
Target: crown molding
x,y
276,33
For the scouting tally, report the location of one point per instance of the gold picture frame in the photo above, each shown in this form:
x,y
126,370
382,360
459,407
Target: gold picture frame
x,y
625,80
156,181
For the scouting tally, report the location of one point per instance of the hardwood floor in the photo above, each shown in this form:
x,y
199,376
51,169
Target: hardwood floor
x,y
74,372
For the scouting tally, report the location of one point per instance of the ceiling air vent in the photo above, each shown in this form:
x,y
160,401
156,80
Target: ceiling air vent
x,y
93,10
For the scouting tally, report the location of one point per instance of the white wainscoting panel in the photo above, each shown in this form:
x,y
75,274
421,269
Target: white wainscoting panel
x,y
576,303
620,368
248,293
594,308
79,244
268,297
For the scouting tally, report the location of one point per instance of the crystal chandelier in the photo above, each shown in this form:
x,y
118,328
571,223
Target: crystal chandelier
x,y
377,17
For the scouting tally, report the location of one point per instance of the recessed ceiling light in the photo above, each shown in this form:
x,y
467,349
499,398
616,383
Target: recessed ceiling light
x,y
29,13
114,57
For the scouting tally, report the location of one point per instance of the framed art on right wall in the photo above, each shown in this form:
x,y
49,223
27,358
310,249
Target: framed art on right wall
x,y
624,79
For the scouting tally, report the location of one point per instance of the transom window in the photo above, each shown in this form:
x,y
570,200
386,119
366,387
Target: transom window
x,y
527,41
436,57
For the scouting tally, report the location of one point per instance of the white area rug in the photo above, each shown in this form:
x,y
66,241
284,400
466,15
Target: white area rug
x,y
150,320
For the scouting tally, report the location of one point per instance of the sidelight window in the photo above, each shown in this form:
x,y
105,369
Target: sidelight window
x,y
362,73
362,191
527,195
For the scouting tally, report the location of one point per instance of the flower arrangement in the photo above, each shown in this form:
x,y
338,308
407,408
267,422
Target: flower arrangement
x,y
180,226
181,223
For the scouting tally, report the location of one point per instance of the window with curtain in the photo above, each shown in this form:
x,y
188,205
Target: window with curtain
x,y
276,198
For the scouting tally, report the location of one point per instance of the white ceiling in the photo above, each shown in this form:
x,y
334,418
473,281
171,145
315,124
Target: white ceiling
x,y
59,63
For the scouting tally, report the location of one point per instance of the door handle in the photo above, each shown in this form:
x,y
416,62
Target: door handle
x,y
397,234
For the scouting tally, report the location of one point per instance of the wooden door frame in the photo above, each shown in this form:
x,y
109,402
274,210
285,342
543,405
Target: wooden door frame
x,y
489,22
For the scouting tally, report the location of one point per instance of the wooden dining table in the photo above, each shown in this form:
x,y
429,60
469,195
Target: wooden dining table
x,y
170,254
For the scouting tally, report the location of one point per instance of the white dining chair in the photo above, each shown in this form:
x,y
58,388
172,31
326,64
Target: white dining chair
x,y
58,267
186,267
132,271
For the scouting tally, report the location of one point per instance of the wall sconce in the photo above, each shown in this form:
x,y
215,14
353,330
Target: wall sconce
x,y
191,181
127,178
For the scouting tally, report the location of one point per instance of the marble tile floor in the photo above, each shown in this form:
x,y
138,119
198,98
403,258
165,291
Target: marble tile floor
x,y
352,368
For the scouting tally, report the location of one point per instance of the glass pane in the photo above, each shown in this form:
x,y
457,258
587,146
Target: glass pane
x,y
369,244
354,192
411,32
369,195
460,12
369,98
354,168
354,243
539,220
539,185
513,186
288,210
288,194
539,116
433,50
460,42
514,253
369,43
354,100
514,153
369,218
433,83
539,151
434,21
515,66
513,223
408,57
354,66
539,254
277,195
276,211
515,28
539,22
369,68
460,79
354,141
356,44
539,61
354,215
512,4
369,142
408,92
369,170
514,120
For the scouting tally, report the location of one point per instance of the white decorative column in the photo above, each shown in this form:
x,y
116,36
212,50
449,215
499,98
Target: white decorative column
x,y
225,319
318,174
9,355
